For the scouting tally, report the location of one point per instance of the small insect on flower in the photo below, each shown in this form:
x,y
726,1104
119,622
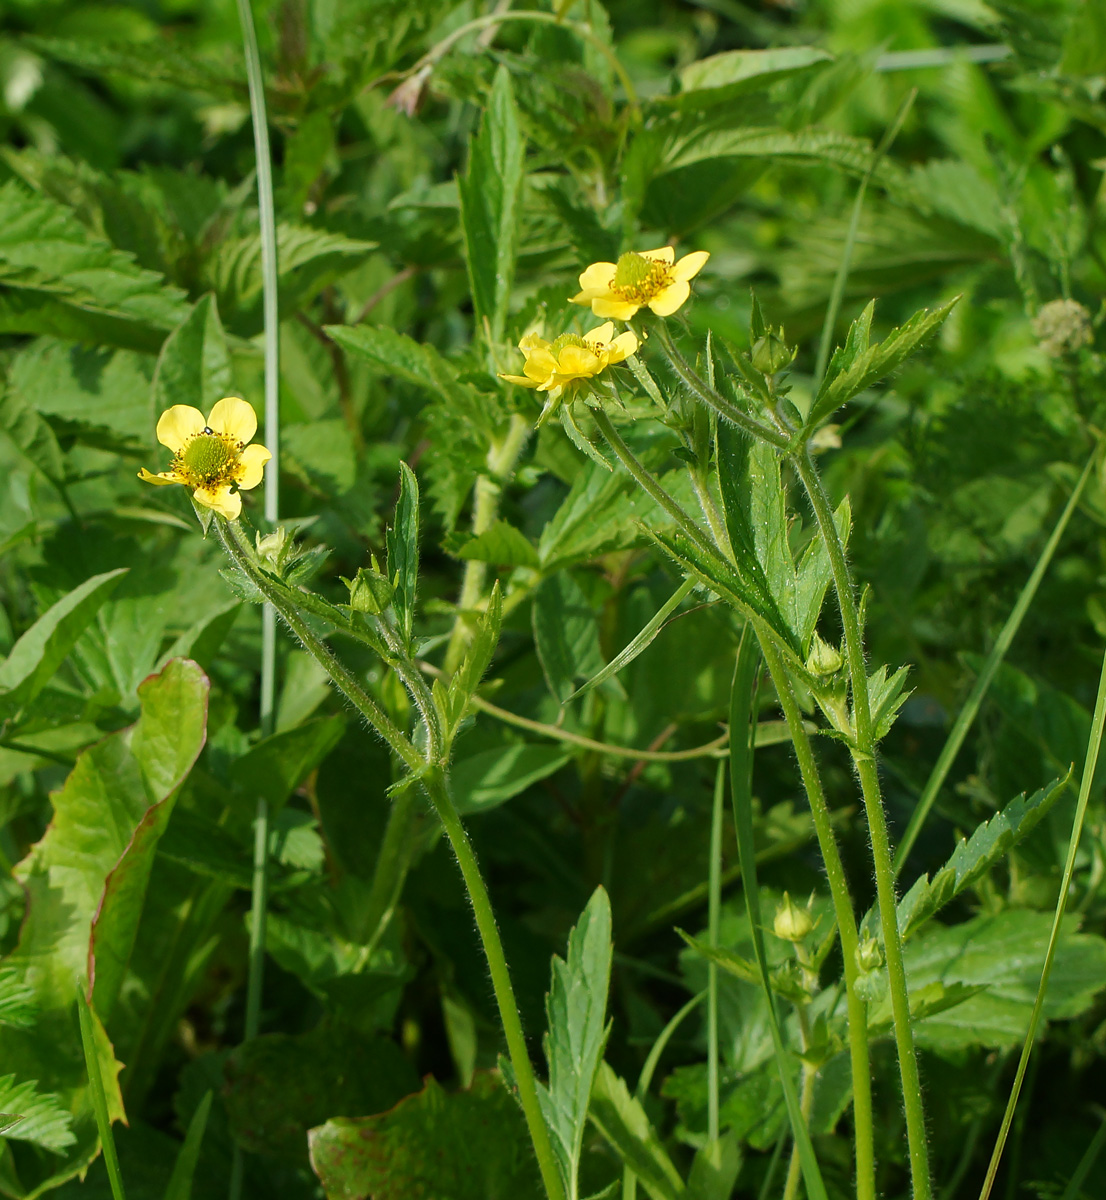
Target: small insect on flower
x,y
550,366
650,278
212,456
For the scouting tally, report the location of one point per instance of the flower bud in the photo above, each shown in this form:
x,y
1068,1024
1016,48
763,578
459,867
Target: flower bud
x,y
370,591
869,955
823,660
272,549
791,924
771,353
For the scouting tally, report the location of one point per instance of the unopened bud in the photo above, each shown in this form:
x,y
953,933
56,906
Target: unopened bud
x,y
869,955
823,660
771,353
370,591
272,548
792,924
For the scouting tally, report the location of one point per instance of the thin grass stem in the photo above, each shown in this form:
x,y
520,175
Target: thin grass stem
x,y
1094,745
714,912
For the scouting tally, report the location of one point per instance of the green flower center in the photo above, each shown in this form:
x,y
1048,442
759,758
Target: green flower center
x,y
639,279
208,459
567,339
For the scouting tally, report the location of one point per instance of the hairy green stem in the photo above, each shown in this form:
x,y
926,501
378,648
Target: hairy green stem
x,y
846,923
714,910
438,791
712,398
863,752
234,543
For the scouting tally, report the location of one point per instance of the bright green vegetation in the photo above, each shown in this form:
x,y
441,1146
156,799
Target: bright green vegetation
x,y
691,796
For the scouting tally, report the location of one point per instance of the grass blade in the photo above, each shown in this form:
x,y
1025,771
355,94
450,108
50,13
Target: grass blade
x,y
99,1099
968,713
1093,747
180,1182
741,763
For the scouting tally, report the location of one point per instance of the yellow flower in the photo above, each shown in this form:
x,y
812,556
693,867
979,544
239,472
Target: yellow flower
x,y
551,365
212,456
651,278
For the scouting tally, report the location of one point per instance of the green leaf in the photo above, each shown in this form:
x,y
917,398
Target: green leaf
x,y
500,544
622,1121
715,1170
566,634
490,191
813,575
104,1116
886,695
28,1115
194,364
638,644
856,366
308,259
279,1085
577,1032
468,1145
85,882
36,657
278,764
756,520
32,436
184,1169
403,551
490,778
720,77
61,279
478,656
17,1000
973,857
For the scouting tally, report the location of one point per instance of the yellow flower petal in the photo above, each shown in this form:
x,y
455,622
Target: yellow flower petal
x,y
622,347
663,254
225,502
601,335
599,275
540,365
532,342
576,362
621,310
161,478
690,265
234,418
521,380
251,467
177,424
665,303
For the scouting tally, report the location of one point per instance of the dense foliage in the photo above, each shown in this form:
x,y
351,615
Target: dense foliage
x,y
439,189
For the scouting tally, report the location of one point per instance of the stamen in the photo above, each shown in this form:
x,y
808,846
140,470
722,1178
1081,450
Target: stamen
x,y
567,339
638,279
208,458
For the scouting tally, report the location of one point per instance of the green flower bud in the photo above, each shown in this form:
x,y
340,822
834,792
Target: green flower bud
x,y
370,591
869,955
823,660
771,353
791,924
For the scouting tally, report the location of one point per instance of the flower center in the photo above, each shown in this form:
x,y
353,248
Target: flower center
x,y
567,339
639,279
209,458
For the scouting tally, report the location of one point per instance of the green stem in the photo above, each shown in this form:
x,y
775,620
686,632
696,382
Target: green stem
x,y
436,789
714,910
712,398
846,923
234,544
270,308
863,752
500,462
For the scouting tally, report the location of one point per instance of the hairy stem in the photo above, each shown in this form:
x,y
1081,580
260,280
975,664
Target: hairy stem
x,y
863,752
438,791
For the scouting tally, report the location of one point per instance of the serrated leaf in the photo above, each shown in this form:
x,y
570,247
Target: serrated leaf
x,y
501,544
194,364
278,764
860,365
715,1169
403,551
973,857
577,1032
477,658
32,436
61,279
886,695
17,1000
490,192
485,780
566,634
35,658
813,575
31,1116
622,1121
718,78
